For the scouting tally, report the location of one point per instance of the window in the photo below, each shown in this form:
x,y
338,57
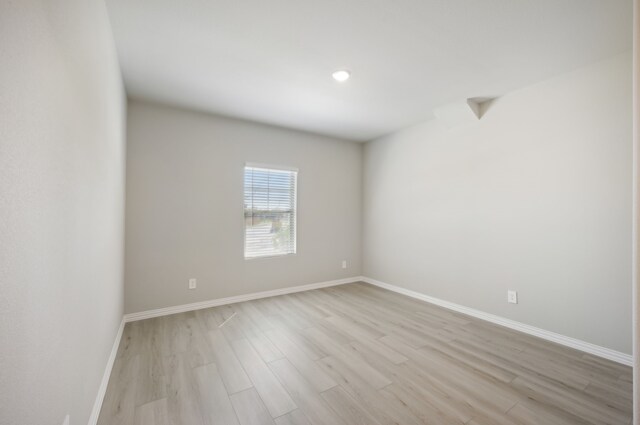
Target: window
x,y
269,211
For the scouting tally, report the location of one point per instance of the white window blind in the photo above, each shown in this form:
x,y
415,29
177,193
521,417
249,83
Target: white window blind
x,y
269,211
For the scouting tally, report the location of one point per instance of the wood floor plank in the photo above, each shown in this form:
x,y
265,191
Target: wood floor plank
x,y
469,360
151,381
215,405
609,366
386,412
304,394
118,407
612,394
510,363
183,395
250,409
198,347
307,367
233,374
382,350
259,318
274,396
155,412
576,403
132,340
531,412
353,354
294,418
298,337
422,409
265,348
356,363
347,408
476,388
289,316
358,331
175,333
430,392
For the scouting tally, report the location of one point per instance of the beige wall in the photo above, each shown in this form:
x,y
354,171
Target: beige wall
x,y
535,197
185,207
61,208
636,212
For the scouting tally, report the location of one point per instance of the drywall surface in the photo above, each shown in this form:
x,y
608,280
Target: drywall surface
x,y
62,148
636,213
184,214
534,197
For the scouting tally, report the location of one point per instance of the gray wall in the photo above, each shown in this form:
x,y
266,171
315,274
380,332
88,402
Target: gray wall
x,y
61,208
185,207
535,197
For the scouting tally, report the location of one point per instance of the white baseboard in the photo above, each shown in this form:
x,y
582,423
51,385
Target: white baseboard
x,y
132,317
587,347
102,390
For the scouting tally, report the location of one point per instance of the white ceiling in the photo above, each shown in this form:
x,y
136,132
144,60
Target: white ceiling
x,y
271,60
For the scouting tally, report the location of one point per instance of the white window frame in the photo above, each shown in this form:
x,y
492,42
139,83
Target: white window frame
x,y
266,166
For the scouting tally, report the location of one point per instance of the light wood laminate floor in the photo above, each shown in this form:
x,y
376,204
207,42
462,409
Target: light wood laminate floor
x,y
348,355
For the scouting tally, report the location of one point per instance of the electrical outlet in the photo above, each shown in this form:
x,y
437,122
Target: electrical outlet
x,y
512,297
192,284
344,264
66,420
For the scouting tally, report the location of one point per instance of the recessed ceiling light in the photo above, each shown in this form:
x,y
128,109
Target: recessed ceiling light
x,y
341,75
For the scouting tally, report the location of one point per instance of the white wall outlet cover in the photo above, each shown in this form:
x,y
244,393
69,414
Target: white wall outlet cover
x,y
344,264
512,297
66,420
192,283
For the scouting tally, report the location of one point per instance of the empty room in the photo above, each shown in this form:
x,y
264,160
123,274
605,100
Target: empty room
x,y
319,212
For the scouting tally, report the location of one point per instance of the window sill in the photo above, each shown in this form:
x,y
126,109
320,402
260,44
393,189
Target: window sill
x,y
266,257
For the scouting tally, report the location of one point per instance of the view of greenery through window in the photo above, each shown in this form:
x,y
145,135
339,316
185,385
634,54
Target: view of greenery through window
x,y
269,212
